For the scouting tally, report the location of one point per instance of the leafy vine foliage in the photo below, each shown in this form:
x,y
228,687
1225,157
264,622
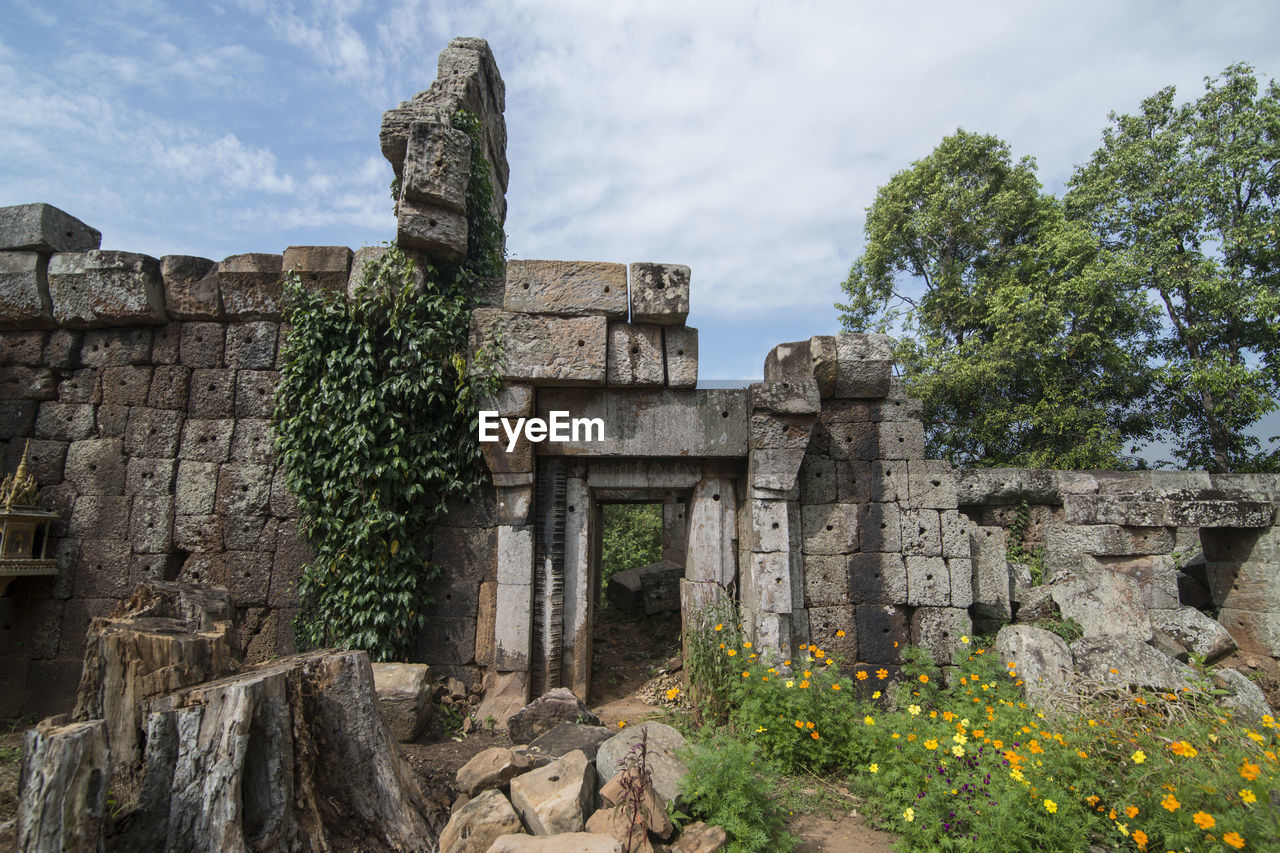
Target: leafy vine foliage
x,y
375,423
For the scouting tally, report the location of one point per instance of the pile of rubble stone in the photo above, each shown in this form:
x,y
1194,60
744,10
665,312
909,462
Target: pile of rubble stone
x,y
561,788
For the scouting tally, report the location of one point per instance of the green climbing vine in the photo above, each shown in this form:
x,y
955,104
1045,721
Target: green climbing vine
x,y
375,423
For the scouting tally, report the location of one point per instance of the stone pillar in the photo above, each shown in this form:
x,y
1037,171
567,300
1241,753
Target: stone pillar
x,y
578,583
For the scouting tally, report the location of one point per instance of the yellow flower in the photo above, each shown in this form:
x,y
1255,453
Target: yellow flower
x,y
786,663
875,768
731,652
1182,748
931,743
1050,806
1016,774
875,695
924,679
957,751
1123,827
1235,839
720,627
909,815
673,693
1131,812
746,644
1170,802
840,633
868,720
1138,757
882,673
959,738
791,684
964,640
760,729
622,724
914,710
1204,820
1248,796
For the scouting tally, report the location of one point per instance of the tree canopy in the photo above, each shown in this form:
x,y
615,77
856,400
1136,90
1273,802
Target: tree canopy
x,y
1060,333
1021,351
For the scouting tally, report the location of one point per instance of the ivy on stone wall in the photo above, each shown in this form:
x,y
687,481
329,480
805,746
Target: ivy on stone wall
x,y
375,423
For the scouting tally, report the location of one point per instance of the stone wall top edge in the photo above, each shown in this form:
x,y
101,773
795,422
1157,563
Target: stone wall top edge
x,y
978,486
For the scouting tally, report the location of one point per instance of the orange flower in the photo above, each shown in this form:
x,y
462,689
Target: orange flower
x,y
1140,838
835,687
799,725
819,654
813,735
1249,772
1204,820
882,673
1131,812
862,675
840,633
1182,748
924,679
1170,802
1234,839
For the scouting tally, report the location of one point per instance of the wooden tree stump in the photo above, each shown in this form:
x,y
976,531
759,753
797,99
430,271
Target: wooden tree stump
x,y
63,788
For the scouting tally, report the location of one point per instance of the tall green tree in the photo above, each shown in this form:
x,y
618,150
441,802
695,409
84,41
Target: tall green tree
x,y
1022,352
1183,201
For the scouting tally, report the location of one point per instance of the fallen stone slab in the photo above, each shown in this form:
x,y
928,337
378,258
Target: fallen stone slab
x,y
663,744
556,798
491,769
478,824
700,837
1246,699
546,712
569,842
1125,662
404,697
565,738
651,589
1041,658
616,823
1195,632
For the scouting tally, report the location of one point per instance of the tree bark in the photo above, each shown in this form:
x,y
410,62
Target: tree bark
x,y
63,788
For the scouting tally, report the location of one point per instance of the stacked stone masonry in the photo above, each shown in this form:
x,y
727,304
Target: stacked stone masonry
x,y
142,392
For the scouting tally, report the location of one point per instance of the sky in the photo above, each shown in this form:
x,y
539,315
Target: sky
x,y
742,139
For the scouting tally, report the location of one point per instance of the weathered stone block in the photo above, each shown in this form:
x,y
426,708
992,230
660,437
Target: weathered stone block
x,y
150,476
28,383
106,288
939,629
448,641
252,346
152,433
775,473
955,534
817,480
512,629
1256,632
771,573
102,572
706,423
899,440
256,393
198,533
18,419
834,630
961,571
921,532
1220,513
877,578
212,394
95,466
880,527
709,553
635,355
1105,604
250,287
827,580
253,441
206,440
931,484
202,344
100,517
882,632
1109,509
864,366
786,397
659,294
319,267
112,420
1126,661
115,347
545,350
437,166
63,349
24,291
169,389
167,342
24,347
81,386
780,432
1251,585
151,524
992,589
681,345
248,575
243,489
191,288
404,697
567,287
1195,632
1042,659
126,386
829,528
928,582
432,229
41,227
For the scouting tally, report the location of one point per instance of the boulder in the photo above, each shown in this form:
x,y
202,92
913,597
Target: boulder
x,y
564,739
404,697
700,838
493,768
568,842
1036,603
474,827
546,712
1106,604
1042,659
1195,632
663,743
1124,661
617,824
556,798
1246,699
654,588
656,821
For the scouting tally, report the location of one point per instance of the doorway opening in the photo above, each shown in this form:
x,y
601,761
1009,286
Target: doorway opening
x,y
636,594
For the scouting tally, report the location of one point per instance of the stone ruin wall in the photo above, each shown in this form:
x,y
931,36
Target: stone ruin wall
x,y
145,389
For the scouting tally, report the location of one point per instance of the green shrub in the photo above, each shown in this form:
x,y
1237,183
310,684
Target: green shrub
x,y
731,785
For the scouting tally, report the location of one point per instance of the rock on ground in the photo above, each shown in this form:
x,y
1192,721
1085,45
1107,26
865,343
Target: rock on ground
x,y
546,712
663,744
474,827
